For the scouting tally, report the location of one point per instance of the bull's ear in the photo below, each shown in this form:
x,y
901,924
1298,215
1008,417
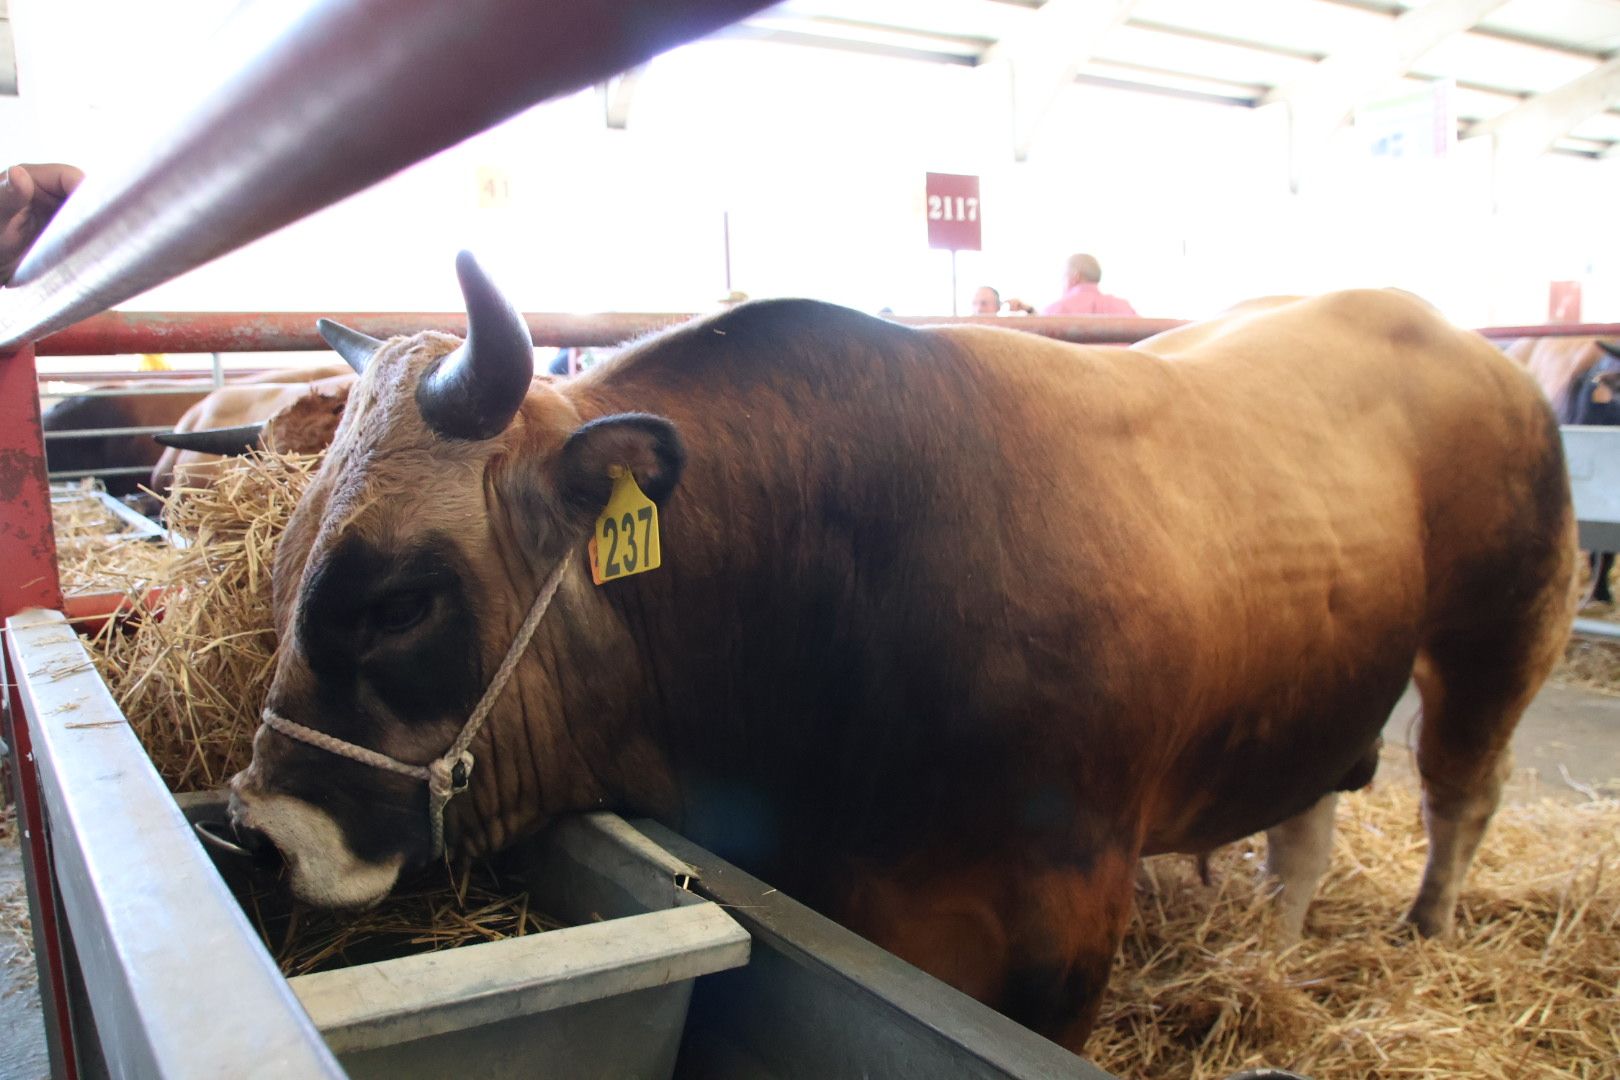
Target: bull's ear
x,y
648,446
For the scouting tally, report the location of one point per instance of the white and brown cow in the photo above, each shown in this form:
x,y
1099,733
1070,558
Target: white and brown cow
x,y
294,411
912,654
1581,377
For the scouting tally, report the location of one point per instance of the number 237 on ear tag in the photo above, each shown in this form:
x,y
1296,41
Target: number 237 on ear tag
x,y
626,537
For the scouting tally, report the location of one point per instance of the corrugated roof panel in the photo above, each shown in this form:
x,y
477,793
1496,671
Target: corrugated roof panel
x,y
1316,26
1603,126
1476,105
1586,24
1473,58
1199,57
985,19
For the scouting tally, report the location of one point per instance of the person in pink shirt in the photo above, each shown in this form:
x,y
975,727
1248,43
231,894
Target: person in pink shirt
x,y
1081,297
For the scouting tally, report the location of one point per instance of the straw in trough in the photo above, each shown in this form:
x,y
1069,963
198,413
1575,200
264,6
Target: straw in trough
x,y
436,911
96,550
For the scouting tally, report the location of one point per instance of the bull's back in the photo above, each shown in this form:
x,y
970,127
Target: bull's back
x,y
1275,509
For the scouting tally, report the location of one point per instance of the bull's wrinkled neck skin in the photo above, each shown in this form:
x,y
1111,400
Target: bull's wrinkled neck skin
x,y
569,734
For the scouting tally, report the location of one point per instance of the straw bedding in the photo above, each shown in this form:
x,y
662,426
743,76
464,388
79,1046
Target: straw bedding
x,y
1530,989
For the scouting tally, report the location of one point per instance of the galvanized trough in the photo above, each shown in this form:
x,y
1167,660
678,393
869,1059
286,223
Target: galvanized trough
x,y
168,979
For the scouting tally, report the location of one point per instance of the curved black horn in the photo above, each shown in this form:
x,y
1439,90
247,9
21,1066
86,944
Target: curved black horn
x,y
473,392
1610,347
228,441
352,345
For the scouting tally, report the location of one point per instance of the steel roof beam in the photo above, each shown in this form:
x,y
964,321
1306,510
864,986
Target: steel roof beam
x,y
1045,56
1528,129
1326,95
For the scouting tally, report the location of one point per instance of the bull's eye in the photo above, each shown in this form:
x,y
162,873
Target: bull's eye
x,y
400,611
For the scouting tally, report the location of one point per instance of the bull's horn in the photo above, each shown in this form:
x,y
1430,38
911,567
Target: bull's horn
x,y
228,441
474,391
1610,347
352,345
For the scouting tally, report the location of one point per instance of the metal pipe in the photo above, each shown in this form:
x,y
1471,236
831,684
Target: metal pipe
x,y
118,332
317,100
120,392
122,470
94,433
1603,330
1596,628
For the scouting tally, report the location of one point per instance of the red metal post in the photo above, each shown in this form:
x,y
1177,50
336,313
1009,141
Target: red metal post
x,y
27,541
28,578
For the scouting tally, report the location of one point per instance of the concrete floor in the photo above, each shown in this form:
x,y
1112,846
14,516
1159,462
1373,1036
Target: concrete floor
x,y
22,1038
1567,746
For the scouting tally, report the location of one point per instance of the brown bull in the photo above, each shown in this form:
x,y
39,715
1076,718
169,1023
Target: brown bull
x,y
953,625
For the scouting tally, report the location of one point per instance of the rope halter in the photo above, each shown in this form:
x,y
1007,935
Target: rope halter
x,y
447,775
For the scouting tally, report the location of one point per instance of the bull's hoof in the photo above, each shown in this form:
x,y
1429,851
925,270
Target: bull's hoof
x,y
1429,922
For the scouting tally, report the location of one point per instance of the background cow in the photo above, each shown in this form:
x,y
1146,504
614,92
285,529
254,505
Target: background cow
x,y
1580,376
115,411
911,655
232,419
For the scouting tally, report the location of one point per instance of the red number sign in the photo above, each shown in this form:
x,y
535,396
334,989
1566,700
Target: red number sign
x,y
1564,302
953,211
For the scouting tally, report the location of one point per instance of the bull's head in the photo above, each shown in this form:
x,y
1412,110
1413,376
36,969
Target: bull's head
x,y
453,491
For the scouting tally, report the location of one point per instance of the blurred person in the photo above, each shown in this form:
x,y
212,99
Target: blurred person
x,y
986,301
30,195
1081,296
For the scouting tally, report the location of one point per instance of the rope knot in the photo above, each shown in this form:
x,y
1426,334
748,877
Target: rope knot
x,y
448,777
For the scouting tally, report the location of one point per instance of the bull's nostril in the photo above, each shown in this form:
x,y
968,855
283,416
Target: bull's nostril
x,y
258,844
239,841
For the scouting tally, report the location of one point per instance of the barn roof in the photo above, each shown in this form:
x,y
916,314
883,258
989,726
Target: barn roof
x,y
1536,74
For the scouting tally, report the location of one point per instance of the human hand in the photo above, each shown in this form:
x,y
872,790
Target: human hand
x,y
1019,307
29,196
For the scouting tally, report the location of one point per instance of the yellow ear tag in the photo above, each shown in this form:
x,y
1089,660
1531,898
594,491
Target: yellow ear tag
x,y
626,537
1601,394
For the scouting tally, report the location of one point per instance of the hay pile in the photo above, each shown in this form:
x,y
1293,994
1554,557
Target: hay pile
x,y
191,681
1531,987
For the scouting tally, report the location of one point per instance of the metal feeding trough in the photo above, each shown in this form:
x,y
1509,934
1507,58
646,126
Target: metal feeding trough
x,y
606,996
160,944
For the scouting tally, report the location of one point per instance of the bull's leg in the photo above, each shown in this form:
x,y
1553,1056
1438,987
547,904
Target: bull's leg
x,y
1473,695
1297,854
1602,564
1069,926
1035,944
